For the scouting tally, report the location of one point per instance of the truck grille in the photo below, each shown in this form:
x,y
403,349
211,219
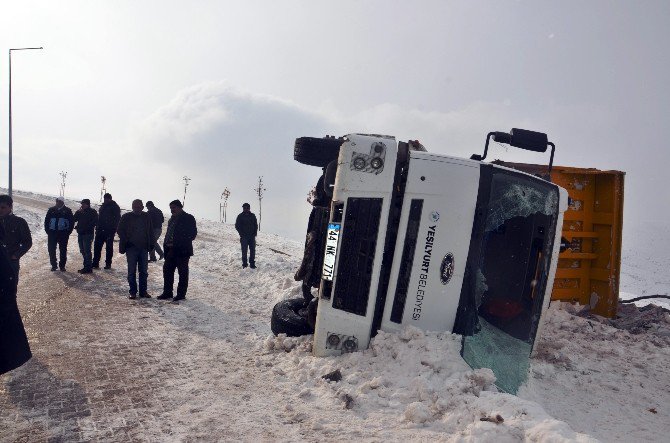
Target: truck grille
x,y
356,254
406,261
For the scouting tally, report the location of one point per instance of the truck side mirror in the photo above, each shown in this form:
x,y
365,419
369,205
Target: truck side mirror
x,y
528,140
522,139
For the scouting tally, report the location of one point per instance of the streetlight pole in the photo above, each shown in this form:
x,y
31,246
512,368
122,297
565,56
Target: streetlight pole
x,y
9,187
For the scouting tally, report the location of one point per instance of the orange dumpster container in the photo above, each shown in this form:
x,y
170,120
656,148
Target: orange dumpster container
x,y
588,272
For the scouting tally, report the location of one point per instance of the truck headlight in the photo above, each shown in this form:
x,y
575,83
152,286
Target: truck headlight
x,y
333,340
359,163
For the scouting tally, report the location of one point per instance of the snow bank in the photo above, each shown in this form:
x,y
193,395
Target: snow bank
x,y
416,381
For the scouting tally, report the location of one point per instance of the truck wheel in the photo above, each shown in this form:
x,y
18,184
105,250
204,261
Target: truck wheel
x,y
316,151
290,317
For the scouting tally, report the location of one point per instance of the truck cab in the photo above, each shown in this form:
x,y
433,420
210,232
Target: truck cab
x,y
440,243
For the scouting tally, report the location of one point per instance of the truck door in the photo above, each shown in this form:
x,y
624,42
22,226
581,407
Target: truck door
x,y
509,272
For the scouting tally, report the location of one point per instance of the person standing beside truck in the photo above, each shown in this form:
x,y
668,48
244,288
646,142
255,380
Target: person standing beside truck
x,y
109,215
58,225
86,218
17,239
157,220
247,226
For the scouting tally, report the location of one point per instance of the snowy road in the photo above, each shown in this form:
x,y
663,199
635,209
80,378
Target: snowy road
x,y
109,368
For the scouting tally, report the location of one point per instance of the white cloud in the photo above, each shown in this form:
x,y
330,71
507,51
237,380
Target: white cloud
x,y
221,137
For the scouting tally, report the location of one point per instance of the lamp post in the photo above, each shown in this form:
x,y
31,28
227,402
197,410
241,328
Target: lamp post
x,y
9,187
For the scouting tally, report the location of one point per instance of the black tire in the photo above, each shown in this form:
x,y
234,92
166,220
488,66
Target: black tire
x,y
316,151
290,317
311,312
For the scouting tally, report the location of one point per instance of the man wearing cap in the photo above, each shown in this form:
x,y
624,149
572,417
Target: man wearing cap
x,y
136,239
86,218
247,226
58,225
16,237
178,247
109,215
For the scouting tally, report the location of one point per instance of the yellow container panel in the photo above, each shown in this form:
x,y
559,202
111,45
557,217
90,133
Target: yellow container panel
x,y
588,273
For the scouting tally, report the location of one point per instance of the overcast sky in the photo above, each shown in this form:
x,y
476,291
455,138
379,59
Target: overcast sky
x,y
145,92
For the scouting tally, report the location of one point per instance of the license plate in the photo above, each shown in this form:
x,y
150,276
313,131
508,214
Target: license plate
x,y
331,251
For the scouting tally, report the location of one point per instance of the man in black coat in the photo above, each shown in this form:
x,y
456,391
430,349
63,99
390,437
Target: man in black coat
x,y
109,215
157,220
17,238
247,226
136,239
14,348
178,247
86,219
58,225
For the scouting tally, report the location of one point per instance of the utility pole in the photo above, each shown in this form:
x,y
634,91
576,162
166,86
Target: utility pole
x,y
103,190
186,180
63,175
223,207
259,191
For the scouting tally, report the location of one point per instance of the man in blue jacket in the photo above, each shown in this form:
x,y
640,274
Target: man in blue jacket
x,y
58,224
178,249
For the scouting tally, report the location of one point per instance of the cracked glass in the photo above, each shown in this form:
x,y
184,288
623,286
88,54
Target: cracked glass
x,y
508,270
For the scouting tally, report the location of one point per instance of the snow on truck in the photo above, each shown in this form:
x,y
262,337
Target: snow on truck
x,y
399,236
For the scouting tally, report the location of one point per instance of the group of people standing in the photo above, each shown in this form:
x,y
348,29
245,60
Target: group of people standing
x,y
138,232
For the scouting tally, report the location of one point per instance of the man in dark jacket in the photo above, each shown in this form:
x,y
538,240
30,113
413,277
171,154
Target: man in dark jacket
x,y
86,219
247,226
109,215
14,348
157,220
58,224
17,239
178,246
136,240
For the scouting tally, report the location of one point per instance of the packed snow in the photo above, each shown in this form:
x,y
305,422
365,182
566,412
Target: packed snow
x,y
590,380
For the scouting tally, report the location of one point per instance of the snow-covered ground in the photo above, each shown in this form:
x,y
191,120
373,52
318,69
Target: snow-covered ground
x,y
646,261
589,380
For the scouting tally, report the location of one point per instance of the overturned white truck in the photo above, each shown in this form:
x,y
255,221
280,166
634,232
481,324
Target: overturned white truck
x,y
400,236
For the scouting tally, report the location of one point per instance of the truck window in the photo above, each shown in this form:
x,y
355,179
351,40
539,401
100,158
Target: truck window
x,y
506,272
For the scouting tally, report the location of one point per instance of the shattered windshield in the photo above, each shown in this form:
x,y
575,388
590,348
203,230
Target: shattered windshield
x,y
506,273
